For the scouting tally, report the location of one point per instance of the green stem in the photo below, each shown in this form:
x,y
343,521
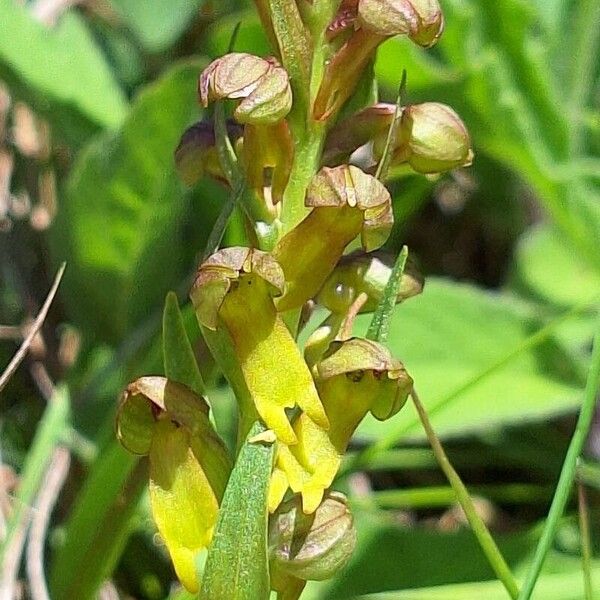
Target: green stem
x,y
309,134
586,37
306,163
484,537
586,546
567,474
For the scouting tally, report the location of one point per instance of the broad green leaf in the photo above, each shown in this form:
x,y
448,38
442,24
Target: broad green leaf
x,y
423,70
178,357
157,25
99,524
550,268
61,72
454,332
562,586
52,428
416,562
237,564
127,227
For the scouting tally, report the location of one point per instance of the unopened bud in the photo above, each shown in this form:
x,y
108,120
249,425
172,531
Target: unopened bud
x,y
432,139
315,546
196,154
421,20
261,84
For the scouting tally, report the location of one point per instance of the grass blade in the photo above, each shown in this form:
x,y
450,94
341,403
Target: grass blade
x,y
50,432
379,327
567,474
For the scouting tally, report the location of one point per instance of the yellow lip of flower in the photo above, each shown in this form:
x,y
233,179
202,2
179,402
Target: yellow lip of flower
x,y
345,202
234,289
189,465
355,376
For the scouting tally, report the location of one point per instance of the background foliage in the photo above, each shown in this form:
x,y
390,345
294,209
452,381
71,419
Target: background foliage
x,y
92,104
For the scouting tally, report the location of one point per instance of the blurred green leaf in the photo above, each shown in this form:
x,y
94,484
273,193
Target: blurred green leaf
x,y
99,524
128,229
562,586
420,557
237,565
157,25
421,562
250,36
453,332
61,72
548,265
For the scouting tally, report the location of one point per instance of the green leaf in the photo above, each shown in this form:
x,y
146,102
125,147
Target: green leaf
x,y
452,334
380,323
420,563
179,360
99,525
61,72
237,563
158,25
547,265
128,228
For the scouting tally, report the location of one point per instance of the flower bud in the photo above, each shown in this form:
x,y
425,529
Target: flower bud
x,y
312,547
196,155
355,376
368,273
387,17
345,202
189,465
432,139
421,20
234,289
357,130
262,84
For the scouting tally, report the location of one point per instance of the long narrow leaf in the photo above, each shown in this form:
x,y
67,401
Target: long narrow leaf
x,y
237,563
178,357
379,327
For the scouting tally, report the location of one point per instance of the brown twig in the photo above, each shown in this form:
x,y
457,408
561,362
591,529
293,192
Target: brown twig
x,y
36,326
54,478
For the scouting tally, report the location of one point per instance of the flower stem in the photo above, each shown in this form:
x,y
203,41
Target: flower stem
x,y
484,537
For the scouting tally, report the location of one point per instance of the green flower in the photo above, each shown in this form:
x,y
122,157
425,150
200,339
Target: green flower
x,y
189,465
234,289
